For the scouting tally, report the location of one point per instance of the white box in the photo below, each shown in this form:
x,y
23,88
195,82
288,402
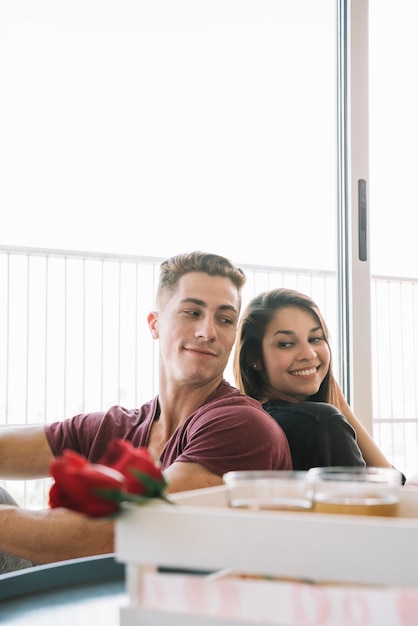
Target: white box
x,y
333,570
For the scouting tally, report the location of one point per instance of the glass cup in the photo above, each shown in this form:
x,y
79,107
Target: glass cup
x,y
273,490
355,490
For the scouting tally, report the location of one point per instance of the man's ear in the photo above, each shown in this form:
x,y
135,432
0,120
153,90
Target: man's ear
x,y
152,320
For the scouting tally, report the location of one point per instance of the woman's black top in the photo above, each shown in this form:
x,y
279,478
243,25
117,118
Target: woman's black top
x,y
318,434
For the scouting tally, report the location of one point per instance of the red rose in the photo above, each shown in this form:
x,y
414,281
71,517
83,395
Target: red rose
x,y
124,473
142,475
85,487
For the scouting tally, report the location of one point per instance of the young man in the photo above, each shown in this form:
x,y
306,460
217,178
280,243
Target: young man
x,y
198,427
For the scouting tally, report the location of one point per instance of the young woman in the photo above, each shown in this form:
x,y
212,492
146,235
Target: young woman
x,y
283,359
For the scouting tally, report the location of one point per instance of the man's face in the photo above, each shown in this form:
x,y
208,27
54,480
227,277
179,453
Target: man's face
x,y
197,328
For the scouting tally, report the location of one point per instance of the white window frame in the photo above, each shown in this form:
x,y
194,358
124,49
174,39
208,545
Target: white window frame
x,y
354,273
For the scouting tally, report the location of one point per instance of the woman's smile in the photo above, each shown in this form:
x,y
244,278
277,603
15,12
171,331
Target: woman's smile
x,y
305,372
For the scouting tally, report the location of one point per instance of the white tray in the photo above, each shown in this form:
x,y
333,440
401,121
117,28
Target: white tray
x,y
200,532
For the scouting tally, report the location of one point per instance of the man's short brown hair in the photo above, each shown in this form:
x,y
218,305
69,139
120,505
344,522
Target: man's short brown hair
x,y
177,266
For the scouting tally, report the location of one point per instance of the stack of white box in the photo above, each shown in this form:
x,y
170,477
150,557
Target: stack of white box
x,y
266,567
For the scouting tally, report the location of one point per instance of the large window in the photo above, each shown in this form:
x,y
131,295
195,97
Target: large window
x,y
155,127
151,128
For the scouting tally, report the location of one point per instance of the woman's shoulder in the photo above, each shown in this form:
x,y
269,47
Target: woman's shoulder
x,y
316,411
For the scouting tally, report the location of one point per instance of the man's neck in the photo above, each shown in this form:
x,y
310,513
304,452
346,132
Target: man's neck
x,y
175,406
177,402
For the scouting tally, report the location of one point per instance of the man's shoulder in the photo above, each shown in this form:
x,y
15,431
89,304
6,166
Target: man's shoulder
x,y
228,408
120,414
227,394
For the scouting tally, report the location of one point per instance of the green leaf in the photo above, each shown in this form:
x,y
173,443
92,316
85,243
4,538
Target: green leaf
x,y
114,495
142,499
153,487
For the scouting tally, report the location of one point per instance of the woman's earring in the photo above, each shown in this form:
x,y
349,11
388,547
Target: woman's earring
x,y
255,366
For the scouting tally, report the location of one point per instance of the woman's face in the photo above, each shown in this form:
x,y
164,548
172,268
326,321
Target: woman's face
x,y
296,355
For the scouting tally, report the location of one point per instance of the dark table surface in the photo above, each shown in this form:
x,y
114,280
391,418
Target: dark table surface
x,y
71,593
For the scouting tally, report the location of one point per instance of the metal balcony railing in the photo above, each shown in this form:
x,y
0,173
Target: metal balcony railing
x,y
74,338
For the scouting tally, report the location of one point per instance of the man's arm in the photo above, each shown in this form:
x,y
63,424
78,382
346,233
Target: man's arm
x,y
182,476
51,535
24,453
43,536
